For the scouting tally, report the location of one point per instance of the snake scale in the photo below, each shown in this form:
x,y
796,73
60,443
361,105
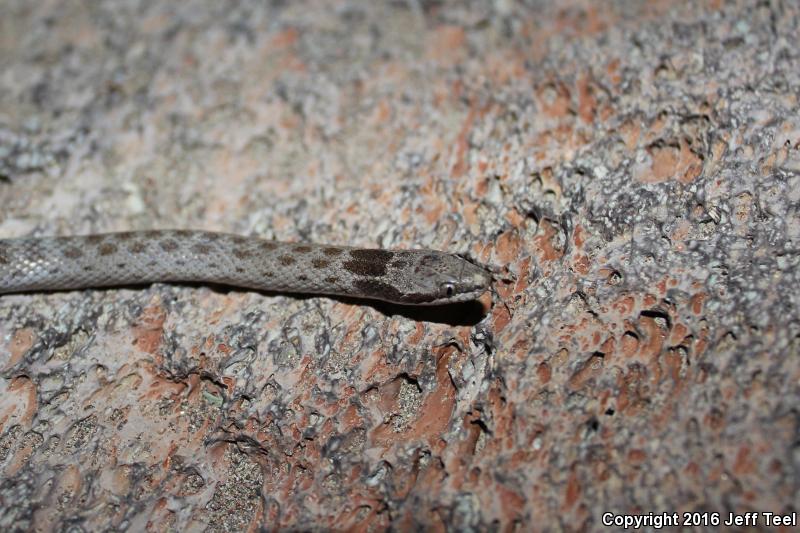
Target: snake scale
x,y
411,277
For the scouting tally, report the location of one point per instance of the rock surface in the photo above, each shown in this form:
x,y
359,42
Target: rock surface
x,y
630,169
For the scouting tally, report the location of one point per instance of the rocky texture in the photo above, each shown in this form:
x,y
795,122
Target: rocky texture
x,y
631,170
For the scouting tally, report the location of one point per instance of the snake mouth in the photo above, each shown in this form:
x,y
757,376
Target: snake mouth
x,y
468,296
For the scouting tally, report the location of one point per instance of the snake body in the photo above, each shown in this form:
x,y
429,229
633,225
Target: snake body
x,y
413,277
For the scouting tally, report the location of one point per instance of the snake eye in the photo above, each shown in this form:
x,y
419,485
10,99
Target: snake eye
x,y
448,289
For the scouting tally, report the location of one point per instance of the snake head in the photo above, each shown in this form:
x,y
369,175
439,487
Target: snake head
x,y
429,277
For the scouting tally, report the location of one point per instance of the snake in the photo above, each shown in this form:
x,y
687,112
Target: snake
x,y
407,277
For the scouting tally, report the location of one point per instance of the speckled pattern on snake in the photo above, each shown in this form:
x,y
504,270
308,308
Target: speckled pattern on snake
x,y
412,277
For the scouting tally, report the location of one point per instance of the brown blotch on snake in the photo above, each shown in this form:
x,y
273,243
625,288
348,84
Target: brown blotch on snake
x,y
137,247
332,252
95,239
201,248
302,249
320,263
375,255
384,290
107,248
371,263
286,260
168,245
73,252
125,235
241,253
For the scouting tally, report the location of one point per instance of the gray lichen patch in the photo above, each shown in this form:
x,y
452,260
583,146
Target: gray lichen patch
x,y
409,400
237,501
81,434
